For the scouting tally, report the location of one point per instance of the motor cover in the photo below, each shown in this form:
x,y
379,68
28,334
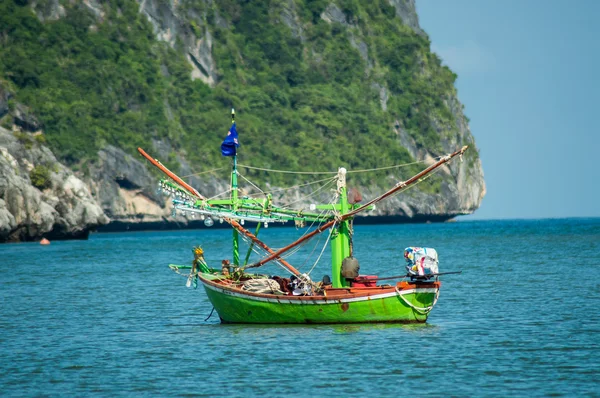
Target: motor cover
x,y
421,260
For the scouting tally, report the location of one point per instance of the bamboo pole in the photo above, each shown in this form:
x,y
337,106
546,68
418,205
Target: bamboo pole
x,y
171,175
257,241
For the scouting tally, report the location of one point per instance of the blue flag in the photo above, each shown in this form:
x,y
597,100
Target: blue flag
x,y
230,143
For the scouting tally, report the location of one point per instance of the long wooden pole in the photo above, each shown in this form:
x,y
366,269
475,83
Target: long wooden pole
x,y
398,187
260,243
427,276
171,175
410,181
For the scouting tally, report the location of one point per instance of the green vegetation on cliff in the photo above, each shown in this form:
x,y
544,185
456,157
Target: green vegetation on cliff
x,y
309,102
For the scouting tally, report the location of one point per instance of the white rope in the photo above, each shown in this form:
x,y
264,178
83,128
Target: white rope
x,y
265,286
297,248
293,251
296,186
316,244
202,172
417,183
324,211
420,310
256,249
251,183
287,171
219,194
335,172
262,252
390,167
311,195
322,250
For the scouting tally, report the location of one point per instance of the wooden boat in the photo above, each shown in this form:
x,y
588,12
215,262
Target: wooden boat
x,y
239,296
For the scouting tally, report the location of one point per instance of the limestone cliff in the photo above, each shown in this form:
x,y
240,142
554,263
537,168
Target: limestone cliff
x,y
62,207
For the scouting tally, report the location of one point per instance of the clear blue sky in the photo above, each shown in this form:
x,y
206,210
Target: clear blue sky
x,y
529,77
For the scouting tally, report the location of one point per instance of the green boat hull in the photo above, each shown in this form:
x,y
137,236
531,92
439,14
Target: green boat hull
x,y
380,305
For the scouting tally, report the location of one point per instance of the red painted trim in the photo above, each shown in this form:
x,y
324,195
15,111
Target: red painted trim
x,y
330,293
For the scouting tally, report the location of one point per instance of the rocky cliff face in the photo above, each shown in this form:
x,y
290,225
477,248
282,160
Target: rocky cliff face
x,y
170,24
61,208
120,187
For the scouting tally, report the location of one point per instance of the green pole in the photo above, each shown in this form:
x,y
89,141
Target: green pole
x,y
340,241
344,231
234,200
251,245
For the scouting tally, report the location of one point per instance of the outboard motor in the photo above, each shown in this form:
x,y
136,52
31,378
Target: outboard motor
x,y
421,262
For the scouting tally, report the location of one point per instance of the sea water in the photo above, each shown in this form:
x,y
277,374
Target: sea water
x,y
108,317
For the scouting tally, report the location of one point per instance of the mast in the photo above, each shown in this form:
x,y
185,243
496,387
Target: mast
x,y
234,201
340,239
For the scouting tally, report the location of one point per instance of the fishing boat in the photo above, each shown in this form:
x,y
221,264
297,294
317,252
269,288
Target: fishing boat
x,y
239,294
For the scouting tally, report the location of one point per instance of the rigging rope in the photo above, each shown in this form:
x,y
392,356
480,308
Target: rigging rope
x,y
322,250
313,193
323,212
261,252
296,186
419,310
400,186
251,183
417,183
287,171
335,172
391,167
328,180
202,172
319,239
220,194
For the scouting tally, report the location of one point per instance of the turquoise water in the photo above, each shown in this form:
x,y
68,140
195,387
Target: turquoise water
x,y
107,317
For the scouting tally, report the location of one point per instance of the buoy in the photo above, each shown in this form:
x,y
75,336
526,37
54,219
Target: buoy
x,y
44,241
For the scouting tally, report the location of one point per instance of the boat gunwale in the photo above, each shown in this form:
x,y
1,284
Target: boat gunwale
x,y
366,293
